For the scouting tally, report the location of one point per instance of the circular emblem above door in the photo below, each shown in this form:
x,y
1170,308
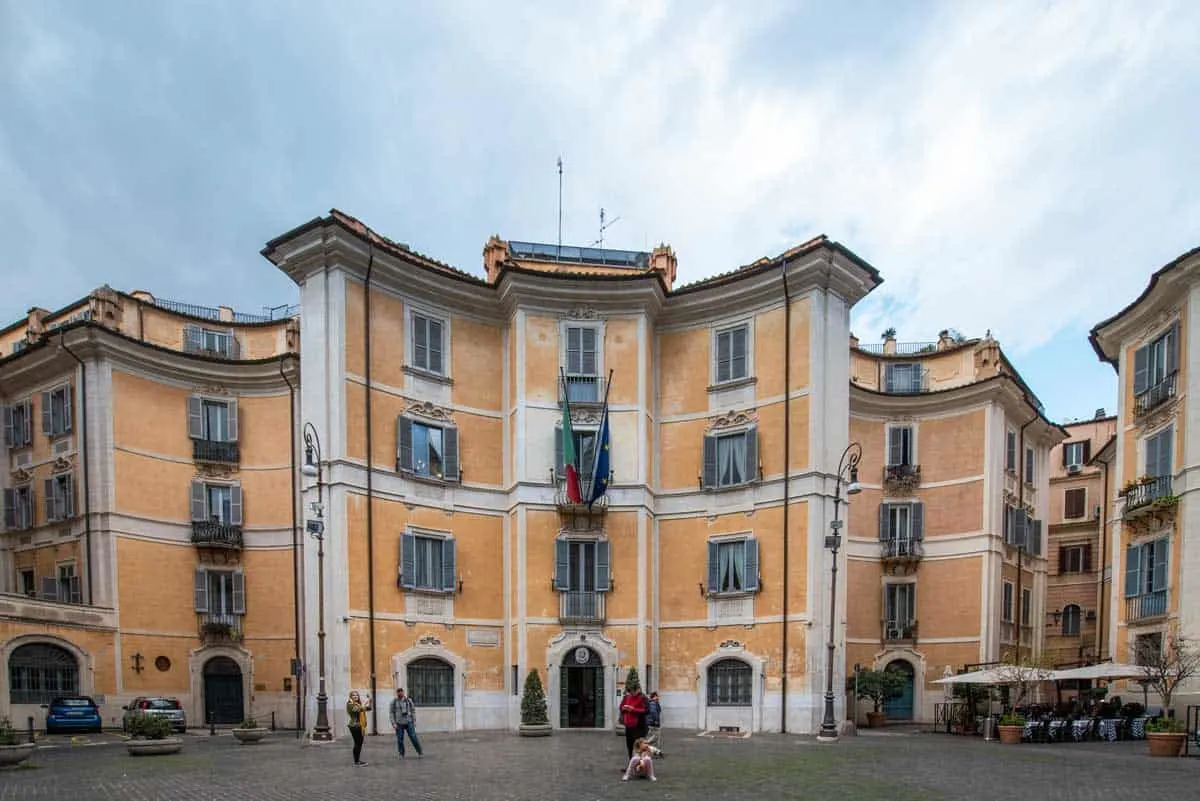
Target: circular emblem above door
x,y
582,655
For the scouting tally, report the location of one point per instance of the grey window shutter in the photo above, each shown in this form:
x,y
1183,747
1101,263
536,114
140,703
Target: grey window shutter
x,y
588,351
195,417
450,453
239,593
449,565
199,502
235,506
889,377
885,519
750,583
1166,441
1066,453
68,496
68,408
559,468
737,361
47,414
27,427
408,560
603,566
51,511
420,342
1173,349
1133,568
562,565
574,350
751,471
233,420
917,522
191,338
76,589
404,448
895,446
1158,581
1141,370
710,461
1010,451
1151,456
435,347
200,590
714,576
10,509
49,588
1035,537
10,434
723,355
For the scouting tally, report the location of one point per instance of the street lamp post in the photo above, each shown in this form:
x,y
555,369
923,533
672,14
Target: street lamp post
x,y
316,527
847,467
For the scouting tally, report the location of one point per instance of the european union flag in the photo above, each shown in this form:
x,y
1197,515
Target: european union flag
x,y
603,468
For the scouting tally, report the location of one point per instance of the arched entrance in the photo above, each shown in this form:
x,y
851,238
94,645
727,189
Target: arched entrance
x,y
40,672
581,690
901,708
224,701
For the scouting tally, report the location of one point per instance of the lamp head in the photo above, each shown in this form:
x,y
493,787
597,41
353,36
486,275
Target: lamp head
x,y
854,487
310,466
310,470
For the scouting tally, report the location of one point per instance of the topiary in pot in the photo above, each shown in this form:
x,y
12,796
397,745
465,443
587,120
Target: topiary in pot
x,y
534,721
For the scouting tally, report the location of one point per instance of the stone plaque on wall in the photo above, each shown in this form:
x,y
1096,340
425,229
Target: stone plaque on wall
x,y
483,638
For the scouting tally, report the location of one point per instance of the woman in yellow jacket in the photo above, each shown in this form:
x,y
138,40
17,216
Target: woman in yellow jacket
x,y
356,713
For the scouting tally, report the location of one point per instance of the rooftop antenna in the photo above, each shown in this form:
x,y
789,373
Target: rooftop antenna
x,y
560,207
604,226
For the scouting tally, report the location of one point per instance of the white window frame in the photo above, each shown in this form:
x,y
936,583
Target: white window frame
x,y
443,537
714,335
67,388
437,315
1068,552
1078,621
887,442
742,538
750,471
888,583
1079,445
29,506
1145,440
1010,590
1011,434
26,404
601,373
1031,465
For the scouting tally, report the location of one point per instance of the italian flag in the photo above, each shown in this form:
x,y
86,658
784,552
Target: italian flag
x,y
574,493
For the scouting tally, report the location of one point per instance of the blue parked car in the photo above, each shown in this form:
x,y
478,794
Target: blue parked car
x,y
73,713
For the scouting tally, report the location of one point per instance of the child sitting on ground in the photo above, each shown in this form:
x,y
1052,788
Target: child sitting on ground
x,y
642,763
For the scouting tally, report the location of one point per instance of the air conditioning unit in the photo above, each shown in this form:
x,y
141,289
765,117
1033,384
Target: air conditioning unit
x,y
1074,469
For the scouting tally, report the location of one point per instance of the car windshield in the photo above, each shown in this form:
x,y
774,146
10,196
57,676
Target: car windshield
x,y
161,703
72,702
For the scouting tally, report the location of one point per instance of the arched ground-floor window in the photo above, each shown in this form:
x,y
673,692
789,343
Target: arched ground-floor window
x,y
730,683
431,682
40,672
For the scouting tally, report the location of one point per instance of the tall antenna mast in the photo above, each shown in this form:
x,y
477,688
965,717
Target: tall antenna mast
x,y
560,206
604,226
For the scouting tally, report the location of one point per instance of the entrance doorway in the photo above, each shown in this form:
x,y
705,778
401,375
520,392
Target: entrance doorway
x,y
581,690
223,699
901,708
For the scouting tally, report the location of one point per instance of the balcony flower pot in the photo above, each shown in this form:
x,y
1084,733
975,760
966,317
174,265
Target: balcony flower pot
x,y
250,732
1165,743
16,754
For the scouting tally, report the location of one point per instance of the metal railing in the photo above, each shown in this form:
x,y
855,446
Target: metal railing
x,y
220,626
1151,604
585,483
583,389
901,548
902,475
216,535
204,450
901,348
283,312
1147,492
907,382
899,630
581,607
1153,396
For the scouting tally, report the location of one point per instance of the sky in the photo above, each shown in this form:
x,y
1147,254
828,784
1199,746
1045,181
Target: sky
x,y
1018,167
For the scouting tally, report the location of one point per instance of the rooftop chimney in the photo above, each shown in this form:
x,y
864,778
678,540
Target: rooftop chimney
x,y
494,253
1100,414
663,261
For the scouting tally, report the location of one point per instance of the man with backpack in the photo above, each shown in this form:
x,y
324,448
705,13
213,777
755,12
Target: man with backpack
x,y
403,714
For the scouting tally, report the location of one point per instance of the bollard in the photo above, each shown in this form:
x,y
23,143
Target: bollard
x,y
272,720
212,726
32,739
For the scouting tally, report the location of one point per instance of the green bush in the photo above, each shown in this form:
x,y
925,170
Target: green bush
x,y
8,735
150,727
249,723
533,702
1012,720
1166,726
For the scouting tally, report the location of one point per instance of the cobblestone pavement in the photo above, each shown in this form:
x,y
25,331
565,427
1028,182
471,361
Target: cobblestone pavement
x,y
897,766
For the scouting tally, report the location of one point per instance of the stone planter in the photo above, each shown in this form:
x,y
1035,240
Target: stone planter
x,y
169,745
250,735
876,720
1165,744
16,754
535,730
1011,735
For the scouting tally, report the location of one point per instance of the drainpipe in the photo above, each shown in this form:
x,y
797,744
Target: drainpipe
x,y
787,471
83,446
1021,544
370,483
295,548
1101,523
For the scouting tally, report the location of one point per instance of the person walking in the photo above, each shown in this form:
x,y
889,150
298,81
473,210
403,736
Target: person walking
x,y
404,719
654,725
356,713
634,707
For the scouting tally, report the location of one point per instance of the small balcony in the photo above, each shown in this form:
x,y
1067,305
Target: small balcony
x,y
581,510
913,381
214,534
583,390
204,450
1144,607
581,608
899,631
901,478
220,627
1148,494
1155,396
901,549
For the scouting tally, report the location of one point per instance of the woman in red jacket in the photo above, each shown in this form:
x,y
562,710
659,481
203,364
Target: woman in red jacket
x,y
634,707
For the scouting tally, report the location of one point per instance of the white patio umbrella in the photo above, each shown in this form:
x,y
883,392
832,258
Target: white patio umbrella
x,y
1001,674
1104,670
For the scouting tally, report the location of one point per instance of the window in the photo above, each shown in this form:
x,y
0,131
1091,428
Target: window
x,y
18,424
582,566
220,593
212,420
1158,452
1076,454
899,610
1026,606
730,459
1075,503
732,565
904,379
900,446
1029,460
210,342
1154,362
1006,605
56,411
216,503
730,683
582,364
732,354
1147,648
428,336
1075,559
18,508
38,673
900,525
66,580
1146,569
1010,452
64,586
60,498
1022,531
427,450
28,583
427,562
430,682
1070,620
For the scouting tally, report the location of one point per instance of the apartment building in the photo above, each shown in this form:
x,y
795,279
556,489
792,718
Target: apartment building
x,y
1076,601
455,560
147,544
1154,533
947,561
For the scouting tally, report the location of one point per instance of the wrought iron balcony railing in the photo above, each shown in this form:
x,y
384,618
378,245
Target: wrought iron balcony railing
x,y
1146,492
1156,395
204,450
220,627
901,548
213,534
583,390
577,607
1140,607
899,630
564,503
902,476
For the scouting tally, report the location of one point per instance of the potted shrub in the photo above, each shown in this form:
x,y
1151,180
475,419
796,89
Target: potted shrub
x,y
534,722
248,731
878,687
152,737
1011,728
12,750
1166,668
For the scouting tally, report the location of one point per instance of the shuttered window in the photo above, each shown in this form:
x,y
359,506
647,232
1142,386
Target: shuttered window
x,y
1159,456
582,565
428,338
57,411
18,424
426,450
427,562
730,459
1153,362
733,566
732,347
1075,503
